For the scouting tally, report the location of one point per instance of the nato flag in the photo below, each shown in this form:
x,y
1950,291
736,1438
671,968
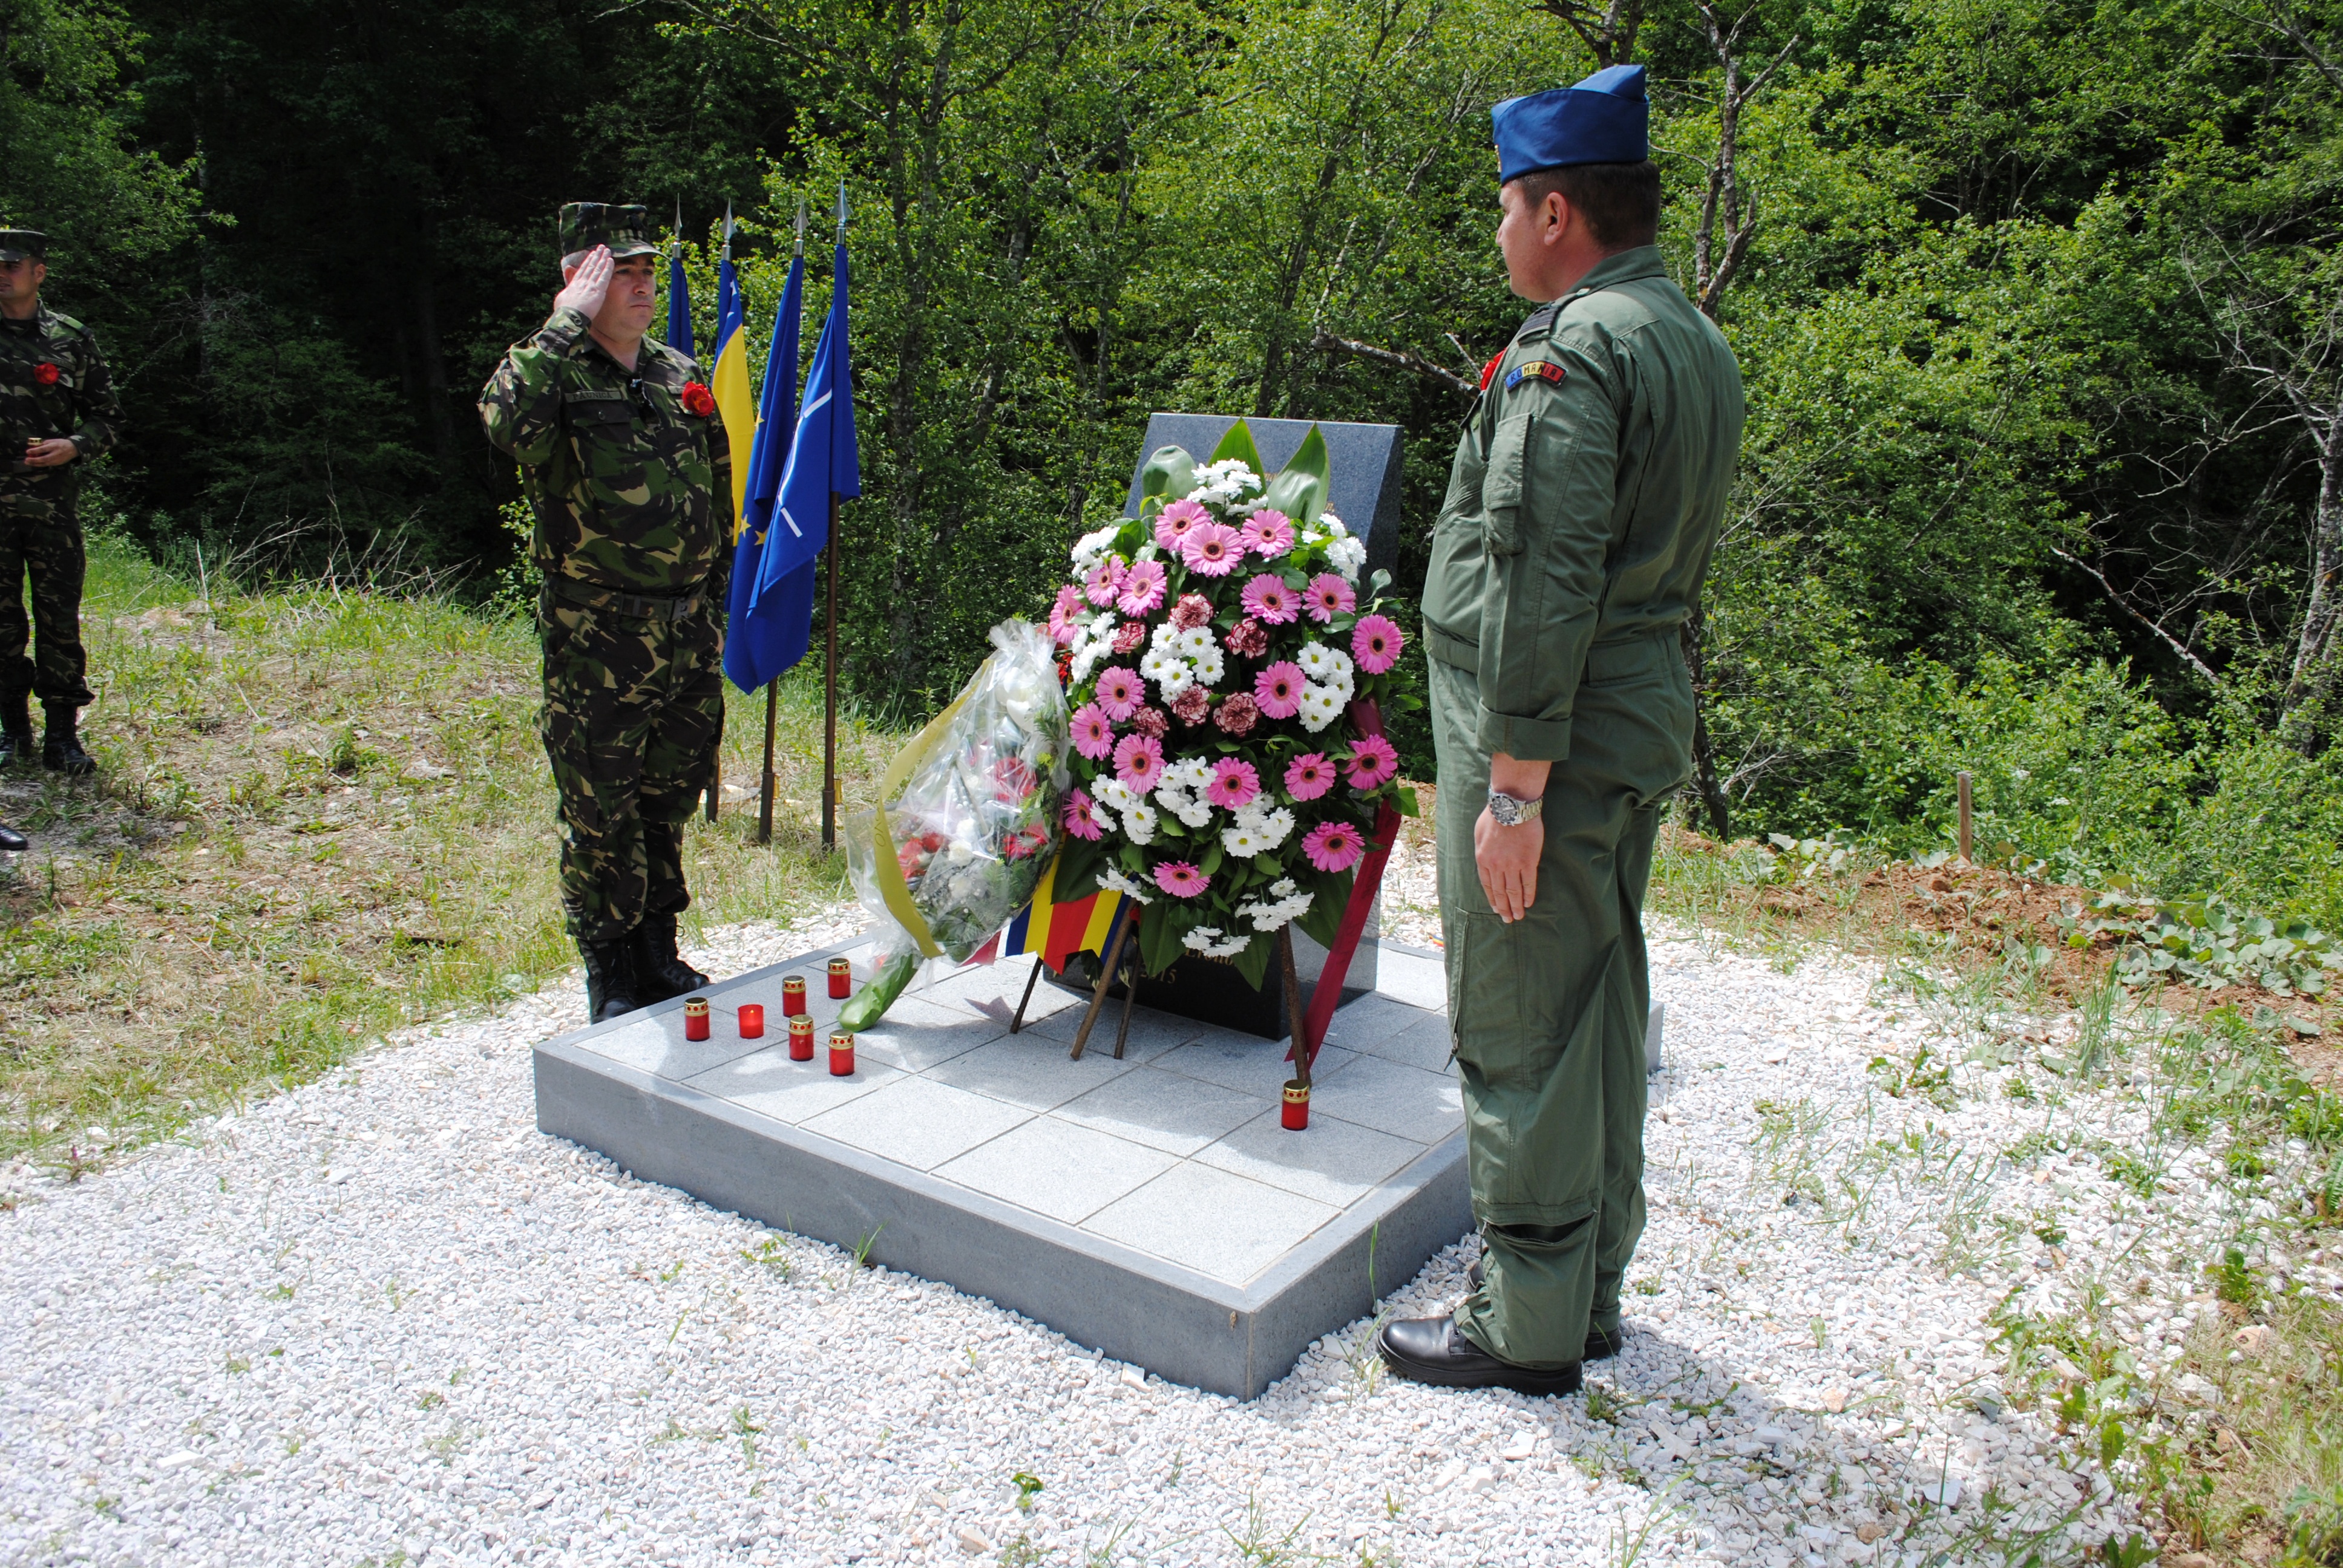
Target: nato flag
x,y
753,639
678,306
823,462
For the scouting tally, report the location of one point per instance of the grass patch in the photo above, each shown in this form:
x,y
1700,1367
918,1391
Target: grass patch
x,y
321,812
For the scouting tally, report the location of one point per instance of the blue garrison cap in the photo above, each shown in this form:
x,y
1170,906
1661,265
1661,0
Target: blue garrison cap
x,y
1604,119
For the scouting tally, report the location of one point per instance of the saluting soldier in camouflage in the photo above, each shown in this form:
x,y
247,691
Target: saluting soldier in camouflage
x,y
625,461
1584,501
60,411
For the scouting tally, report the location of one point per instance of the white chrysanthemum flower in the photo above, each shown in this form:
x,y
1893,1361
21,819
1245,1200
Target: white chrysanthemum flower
x,y
1086,661
1196,641
1165,637
1114,882
1139,824
1160,665
1103,625
1284,887
1194,772
1208,940
1270,917
1316,659
1210,667
1113,792
1333,526
1348,555
1176,681
1197,813
1320,707
1091,549
1273,828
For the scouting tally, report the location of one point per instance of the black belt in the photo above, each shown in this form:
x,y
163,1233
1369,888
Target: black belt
x,y
585,596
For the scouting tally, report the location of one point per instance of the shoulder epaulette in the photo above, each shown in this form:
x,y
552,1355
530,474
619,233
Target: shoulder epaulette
x,y
59,322
1539,320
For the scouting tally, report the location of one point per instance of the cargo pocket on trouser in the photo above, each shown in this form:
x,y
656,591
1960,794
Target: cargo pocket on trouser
x,y
597,776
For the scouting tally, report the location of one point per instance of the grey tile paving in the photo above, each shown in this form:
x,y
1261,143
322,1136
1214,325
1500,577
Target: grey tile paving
x,y
916,1123
1152,1033
1392,1097
1029,1069
1421,981
1335,1162
992,989
655,1043
1249,1065
917,1035
1162,1110
1219,1224
793,1091
1057,1168
1383,1026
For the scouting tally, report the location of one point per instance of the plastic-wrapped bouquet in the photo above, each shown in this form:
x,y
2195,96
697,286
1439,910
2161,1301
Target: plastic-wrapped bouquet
x,y
965,819
1217,649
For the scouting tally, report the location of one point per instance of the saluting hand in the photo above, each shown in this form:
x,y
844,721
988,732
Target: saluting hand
x,y
587,284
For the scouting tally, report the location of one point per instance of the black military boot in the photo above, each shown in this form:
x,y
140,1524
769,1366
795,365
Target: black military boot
x,y
61,749
610,987
661,973
15,730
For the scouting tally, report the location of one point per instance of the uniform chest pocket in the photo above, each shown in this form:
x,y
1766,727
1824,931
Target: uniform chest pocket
x,y
1504,483
604,422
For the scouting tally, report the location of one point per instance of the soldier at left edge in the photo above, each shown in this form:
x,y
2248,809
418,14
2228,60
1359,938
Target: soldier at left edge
x,y
61,413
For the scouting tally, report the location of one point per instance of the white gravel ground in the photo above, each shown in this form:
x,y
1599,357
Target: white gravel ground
x,y
382,1320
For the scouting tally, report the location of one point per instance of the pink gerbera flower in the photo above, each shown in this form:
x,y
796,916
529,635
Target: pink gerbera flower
x,y
1081,817
1327,597
1065,616
1142,587
1212,550
1279,688
1151,721
1094,732
1172,523
1375,643
1139,761
1119,691
1193,609
1373,762
1129,636
1269,534
1237,714
1180,879
1267,598
1334,846
1235,783
1309,776
1249,637
1104,582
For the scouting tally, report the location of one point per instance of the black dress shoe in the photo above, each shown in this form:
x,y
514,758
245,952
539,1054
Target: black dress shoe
x,y
1430,1350
1600,1346
14,842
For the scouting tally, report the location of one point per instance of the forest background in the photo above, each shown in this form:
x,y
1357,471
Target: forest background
x,y
2039,304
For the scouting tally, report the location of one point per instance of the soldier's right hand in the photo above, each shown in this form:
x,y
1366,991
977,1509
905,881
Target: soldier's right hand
x,y
587,284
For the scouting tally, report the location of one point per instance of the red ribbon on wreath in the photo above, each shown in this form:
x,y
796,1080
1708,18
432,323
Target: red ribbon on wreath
x,y
698,399
1363,889
47,374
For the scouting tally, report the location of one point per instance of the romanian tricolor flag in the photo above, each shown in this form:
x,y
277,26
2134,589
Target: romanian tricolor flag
x,y
1058,931
728,378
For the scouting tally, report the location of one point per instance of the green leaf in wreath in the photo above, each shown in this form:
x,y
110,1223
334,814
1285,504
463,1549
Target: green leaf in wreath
x,y
1254,962
1159,930
1405,794
1212,861
1238,443
1300,486
1168,474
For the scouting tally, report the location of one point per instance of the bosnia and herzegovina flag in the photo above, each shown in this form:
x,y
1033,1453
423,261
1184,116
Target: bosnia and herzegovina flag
x,y
824,461
1058,931
729,377
756,646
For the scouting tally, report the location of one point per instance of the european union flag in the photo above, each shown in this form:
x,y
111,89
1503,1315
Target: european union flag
x,y
754,642
678,305
823,462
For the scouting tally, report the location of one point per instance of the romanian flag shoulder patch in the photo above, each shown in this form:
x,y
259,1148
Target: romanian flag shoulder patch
x,y
1542,369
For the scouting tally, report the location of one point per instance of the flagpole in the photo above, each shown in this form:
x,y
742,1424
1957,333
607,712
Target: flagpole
x,y
829,636
773,687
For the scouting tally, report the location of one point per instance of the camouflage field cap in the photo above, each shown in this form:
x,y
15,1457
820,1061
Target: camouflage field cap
x,y
627,230
22,245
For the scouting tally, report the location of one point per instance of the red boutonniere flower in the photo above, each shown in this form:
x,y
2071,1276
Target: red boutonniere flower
x,y
698,399
45,374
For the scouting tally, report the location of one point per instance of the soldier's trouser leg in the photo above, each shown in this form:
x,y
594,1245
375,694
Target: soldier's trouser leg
x,y
1547,1014
633,710
42,541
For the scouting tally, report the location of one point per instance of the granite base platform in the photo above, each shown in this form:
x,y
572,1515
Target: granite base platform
x,y
1150,1207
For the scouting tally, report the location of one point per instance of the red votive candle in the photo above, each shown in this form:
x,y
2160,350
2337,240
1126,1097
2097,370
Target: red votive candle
x,y
793,1000
841,1054
802,1038
842,978
1296,1112
752,1020
695,1019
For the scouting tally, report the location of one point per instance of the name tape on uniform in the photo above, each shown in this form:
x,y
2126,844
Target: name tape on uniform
x,y
1543,369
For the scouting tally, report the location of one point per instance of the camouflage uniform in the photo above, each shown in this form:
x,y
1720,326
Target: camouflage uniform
x,y
53,382
633,497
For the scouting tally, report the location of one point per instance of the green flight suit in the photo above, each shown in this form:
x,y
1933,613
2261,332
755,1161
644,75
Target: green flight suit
x,y
1582,509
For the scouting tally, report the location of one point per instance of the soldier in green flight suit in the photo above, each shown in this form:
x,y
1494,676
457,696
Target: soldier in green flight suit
x,y
625,462
60,412
1582,509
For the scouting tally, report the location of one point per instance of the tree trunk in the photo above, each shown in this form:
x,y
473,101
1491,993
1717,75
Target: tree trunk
x,y
2314,652
1704,753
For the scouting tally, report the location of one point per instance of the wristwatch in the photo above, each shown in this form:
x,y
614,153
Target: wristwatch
x,y
1509,811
